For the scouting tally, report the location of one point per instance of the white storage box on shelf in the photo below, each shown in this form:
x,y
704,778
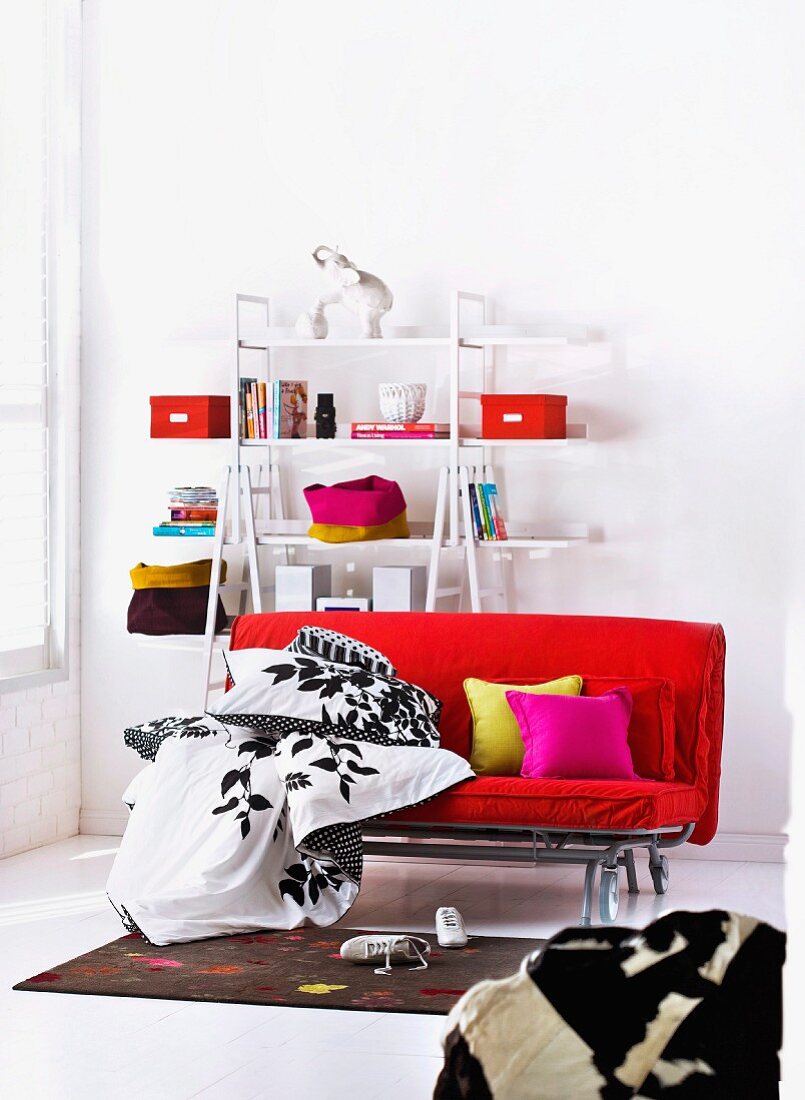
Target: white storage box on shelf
x,y
298,587
399,587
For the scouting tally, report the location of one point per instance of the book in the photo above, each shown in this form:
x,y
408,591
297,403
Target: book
x,y
486,513
249,415
441,428
208,515
184,495
188,523
188,532
275,406
244,385
261,409
500,527
291,404
255,409
476,513
399,435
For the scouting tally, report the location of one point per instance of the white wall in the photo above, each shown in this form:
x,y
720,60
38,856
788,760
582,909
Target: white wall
x,y
632,165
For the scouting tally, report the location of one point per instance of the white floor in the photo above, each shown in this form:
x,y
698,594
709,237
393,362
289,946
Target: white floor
x,y
60,1047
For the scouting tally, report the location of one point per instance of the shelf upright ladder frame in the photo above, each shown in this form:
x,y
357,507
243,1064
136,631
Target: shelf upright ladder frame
x,y
236,487
240,299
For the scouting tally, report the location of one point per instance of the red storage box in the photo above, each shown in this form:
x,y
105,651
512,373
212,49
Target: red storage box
x,y
523,416
190,416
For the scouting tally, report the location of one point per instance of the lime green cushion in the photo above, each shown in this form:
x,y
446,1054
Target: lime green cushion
x,y
497,747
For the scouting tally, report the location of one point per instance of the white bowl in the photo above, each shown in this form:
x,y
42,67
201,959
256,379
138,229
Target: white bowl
x,y
402,402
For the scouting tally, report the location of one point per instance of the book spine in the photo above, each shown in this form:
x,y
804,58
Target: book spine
x,y
249,414
188,523
487,513
476,513
500,526
261,410
408,426
245,388
242,429
188,532
204,515
255,408
276,404
399,435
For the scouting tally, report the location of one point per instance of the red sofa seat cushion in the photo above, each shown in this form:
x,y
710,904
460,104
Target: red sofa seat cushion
x,y
560,803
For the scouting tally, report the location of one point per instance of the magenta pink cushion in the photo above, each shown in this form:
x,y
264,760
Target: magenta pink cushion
x,y
569,737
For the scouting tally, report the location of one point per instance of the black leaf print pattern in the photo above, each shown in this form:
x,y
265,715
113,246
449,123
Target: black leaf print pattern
x,y
368,705
327,765
280,826
353,767
342,767
147,738
297,781
259,749
317,880
246,800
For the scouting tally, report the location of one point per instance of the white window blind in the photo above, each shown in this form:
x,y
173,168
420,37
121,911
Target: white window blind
x,y
24,474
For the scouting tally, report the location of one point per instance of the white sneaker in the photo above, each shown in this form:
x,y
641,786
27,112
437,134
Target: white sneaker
x,y
393,948
450,930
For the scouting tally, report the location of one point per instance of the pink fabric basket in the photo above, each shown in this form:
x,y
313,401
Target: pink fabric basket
x,y
364,502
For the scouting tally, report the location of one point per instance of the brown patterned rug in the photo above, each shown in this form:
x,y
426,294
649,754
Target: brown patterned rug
x,y
301,968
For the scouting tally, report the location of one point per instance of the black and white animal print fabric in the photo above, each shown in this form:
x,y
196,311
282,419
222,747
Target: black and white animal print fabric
x,y
689,1008
330,645
257,824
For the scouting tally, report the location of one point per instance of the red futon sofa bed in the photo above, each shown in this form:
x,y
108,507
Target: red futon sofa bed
x,y
595,823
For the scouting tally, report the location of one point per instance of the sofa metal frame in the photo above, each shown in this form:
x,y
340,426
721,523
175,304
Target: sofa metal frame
x,y
608,850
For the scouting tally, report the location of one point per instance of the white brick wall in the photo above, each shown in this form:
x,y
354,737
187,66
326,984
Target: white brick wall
x,y
40,729
40,775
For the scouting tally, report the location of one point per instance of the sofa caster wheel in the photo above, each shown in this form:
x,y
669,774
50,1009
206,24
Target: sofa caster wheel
x,y
608,894
659,875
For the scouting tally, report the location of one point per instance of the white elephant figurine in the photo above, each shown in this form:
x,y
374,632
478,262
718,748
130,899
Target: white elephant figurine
x,y
359,291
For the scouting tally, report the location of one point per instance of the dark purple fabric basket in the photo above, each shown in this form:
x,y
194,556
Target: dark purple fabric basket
x,y
172,611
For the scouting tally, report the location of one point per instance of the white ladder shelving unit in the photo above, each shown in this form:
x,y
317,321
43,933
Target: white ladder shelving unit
x,y
461,458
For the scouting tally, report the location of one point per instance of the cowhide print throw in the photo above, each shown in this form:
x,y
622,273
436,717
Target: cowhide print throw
x,y
690,1007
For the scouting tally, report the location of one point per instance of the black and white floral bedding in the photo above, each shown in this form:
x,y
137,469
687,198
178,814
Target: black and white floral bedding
x,y
275,689
250,818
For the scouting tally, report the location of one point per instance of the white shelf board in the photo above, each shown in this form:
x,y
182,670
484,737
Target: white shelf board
x,y
179,641
529,543
515,341
265,342
523,335
576,433
323,444
294,539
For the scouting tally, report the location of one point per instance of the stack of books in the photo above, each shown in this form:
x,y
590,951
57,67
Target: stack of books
x,y
252,412
413,429
193,511
273,411
486,517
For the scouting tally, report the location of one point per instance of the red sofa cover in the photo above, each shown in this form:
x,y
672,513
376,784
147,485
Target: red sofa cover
x,y
439,651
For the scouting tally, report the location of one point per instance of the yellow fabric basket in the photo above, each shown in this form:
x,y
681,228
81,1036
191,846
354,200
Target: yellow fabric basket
x,y
190,574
